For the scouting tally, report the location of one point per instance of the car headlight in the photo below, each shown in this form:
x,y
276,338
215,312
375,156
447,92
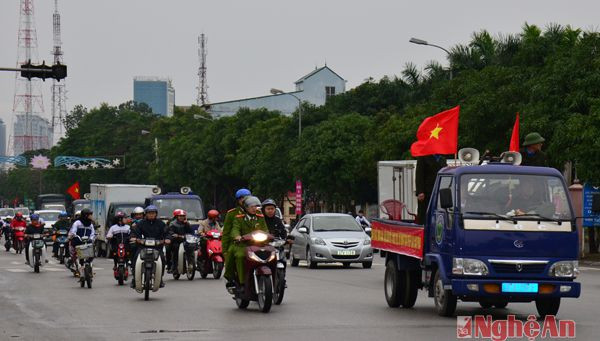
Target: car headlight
x,y
367,241
468,266
318,241
569,269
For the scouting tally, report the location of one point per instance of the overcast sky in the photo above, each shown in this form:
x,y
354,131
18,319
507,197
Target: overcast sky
x,y
255,45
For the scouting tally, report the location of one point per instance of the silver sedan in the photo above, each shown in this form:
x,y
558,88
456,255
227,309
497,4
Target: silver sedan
x,y
330,238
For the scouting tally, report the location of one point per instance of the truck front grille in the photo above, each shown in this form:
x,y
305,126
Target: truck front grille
x,y
519,268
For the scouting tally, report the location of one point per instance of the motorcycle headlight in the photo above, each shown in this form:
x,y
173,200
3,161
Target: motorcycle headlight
x,y
567,269
367,241
318,241
259,236
468,266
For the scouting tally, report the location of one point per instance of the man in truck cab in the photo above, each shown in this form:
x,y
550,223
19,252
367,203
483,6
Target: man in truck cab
x,y
426,173
528,198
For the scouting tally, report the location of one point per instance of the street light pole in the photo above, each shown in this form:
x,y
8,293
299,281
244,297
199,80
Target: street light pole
x,y
280,92
424,42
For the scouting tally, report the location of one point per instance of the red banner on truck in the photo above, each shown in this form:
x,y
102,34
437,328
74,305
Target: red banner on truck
x,y
398,237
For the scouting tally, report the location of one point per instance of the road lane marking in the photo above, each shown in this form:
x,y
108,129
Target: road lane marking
x,y
16,270
588,268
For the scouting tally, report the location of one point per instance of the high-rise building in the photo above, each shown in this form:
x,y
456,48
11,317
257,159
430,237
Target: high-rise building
x,y
2,138
158,93
40,137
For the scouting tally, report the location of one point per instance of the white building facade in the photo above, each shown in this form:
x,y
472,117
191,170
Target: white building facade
x,y
313,88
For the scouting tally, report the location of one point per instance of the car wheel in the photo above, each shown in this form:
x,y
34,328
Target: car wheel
x,y
293,260
346,265
309,262
367,265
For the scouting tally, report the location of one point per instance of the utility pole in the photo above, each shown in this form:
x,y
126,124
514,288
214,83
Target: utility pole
x,y
202,97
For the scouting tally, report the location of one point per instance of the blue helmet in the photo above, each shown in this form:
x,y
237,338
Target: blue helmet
x,y
34,217
63,214
151,208
242,192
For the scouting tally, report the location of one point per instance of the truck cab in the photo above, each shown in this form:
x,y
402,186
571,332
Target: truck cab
x,y
493,234
167,203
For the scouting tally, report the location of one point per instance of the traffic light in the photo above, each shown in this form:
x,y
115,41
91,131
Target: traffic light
x,y
43,71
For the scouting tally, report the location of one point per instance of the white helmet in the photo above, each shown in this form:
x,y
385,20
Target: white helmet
x,y
78,213
138,210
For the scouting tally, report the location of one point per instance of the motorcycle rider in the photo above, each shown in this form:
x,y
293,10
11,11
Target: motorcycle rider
x,y
177,230
136,216
210,223
123,230
83,227
18,221
63,224
247,222
275,225
150,227
34,227
226,238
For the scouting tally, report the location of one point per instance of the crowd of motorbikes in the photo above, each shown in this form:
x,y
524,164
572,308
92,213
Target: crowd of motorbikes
x,y
265,261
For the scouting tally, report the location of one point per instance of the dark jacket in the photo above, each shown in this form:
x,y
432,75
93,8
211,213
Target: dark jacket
x,y
426,173
31,229
179,228
276,227
64,225
155,229
537,159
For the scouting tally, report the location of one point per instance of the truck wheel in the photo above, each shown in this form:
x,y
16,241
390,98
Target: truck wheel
x,y
445,301
547,306
392,284
411,288
500,305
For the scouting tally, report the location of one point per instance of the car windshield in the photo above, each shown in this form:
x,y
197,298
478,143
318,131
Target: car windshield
x,y
514,196
49,216
23,210
192,206
7,212
335,223
79,207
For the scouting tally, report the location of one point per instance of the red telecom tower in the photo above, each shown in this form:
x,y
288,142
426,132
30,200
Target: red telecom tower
x,y
31,130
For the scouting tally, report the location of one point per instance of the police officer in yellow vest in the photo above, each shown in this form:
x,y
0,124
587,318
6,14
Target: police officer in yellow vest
x,y
226,238
251,220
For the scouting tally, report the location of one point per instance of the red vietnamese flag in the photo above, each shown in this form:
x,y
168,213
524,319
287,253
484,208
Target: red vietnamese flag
x,y
437,134
74,191
514,139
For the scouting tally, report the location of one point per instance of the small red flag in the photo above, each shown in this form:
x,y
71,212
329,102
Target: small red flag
x,y
437,134
73,191
514,139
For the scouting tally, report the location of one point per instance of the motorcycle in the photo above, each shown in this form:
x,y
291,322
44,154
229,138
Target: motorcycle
x,y
85,256
148,268
279,282
19,239
210,256
260,265
37,252
121,271
62,240
186,263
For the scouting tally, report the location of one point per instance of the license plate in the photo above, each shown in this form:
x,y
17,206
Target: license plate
x,y
519,287
346,253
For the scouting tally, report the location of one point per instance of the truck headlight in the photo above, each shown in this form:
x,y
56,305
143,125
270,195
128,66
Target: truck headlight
x,y
568,269
318,241
367,241
468,266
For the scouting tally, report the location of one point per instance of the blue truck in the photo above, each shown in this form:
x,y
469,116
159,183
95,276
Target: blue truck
x,y
494,234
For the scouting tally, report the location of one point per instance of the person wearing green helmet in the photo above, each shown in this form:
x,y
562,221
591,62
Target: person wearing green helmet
x,y
532,151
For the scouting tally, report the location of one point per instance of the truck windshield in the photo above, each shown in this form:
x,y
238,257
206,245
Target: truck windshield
x,y
517,196
49,216
166,207
81,206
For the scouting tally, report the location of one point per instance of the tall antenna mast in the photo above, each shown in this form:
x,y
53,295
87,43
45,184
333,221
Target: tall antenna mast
x,y
30,129
202,98
59,98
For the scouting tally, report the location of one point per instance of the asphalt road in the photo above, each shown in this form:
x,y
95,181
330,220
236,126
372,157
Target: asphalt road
x,y
329,303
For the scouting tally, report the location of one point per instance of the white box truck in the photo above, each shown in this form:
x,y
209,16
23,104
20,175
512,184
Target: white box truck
x,y
105,196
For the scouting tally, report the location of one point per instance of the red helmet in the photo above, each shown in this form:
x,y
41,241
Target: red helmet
x,y
120,214
213,214
179,212
19,215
